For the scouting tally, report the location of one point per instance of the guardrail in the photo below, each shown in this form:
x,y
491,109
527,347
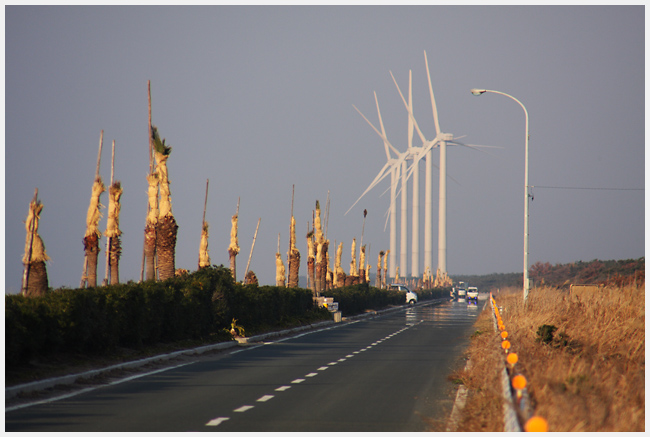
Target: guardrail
x,y
518,414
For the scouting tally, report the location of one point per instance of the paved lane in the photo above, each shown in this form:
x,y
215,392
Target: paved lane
x,y
387,373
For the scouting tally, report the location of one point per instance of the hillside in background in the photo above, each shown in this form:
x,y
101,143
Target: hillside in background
x,y
619,273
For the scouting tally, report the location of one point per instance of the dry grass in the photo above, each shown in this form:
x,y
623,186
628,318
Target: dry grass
x,y
591,375
483,410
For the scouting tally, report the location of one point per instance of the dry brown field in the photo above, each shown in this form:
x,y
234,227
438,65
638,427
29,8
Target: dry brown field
x,y
583,356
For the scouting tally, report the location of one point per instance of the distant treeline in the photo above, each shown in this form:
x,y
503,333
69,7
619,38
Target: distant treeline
x,y
491,281
563,275
620,272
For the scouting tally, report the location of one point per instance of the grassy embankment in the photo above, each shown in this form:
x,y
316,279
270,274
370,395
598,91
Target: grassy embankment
x,y
585,370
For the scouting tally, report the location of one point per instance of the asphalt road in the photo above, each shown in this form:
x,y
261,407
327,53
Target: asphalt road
x,y
386,373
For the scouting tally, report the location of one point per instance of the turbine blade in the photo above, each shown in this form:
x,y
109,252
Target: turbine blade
x,y
433,100
476,147
381,135
383,131
415,123
380,176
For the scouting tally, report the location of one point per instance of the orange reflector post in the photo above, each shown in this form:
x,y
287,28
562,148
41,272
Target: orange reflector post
x,y
519,382
504,335
505,344
512,359
536,424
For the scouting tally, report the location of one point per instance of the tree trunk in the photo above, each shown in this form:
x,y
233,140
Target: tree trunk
x,y
91,247
232,256
294,267
311,265
166,250
116,252
378,278
323,267
150,251
37,284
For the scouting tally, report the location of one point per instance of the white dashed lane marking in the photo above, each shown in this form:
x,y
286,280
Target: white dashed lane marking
x,y
219,420
283,388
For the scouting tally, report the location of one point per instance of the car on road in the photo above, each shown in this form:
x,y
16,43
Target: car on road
x,y
411,297
472,294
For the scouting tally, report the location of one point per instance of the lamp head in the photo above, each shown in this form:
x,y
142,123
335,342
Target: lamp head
x,y
477,92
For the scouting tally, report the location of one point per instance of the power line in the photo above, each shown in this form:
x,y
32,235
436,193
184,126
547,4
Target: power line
x,y
589,188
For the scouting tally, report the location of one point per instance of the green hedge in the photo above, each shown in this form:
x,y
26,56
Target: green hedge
x,y
98,320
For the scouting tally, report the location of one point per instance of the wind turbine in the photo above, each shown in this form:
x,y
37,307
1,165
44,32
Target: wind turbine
x,y
393,167
440,140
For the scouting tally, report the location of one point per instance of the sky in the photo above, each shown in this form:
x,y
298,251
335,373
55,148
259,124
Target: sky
x,y
259,100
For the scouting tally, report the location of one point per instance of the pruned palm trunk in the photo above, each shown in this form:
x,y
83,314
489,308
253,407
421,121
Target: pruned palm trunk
x,y
166,248
362,265
378,278
353,277
318,274
321,249
311,262
166,228
233,248
91,239
339,274
204,256
35,281
294,258
323,266
385,276
113,231
279,271
150,228
251,278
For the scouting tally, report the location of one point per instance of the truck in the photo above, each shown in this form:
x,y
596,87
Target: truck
x,y
461,290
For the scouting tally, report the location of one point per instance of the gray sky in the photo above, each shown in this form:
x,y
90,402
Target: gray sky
x,y
257,99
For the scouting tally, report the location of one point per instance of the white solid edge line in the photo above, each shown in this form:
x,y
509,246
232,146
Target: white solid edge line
x,y
86,390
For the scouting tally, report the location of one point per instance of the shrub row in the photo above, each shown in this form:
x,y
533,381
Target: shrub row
x,y
355,299
98,320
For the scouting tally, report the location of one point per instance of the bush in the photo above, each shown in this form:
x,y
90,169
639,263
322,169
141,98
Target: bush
x,y
99,320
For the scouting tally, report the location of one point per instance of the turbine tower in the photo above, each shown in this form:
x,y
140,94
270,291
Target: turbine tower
x,y
440,140
393,167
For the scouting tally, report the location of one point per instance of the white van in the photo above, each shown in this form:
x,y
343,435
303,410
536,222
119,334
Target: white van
x,y
411,298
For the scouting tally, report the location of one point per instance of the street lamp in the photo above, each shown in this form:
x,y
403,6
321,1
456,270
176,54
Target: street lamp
x,y
478,92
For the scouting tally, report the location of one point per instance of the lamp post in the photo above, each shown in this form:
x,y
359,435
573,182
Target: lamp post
x,y
478,92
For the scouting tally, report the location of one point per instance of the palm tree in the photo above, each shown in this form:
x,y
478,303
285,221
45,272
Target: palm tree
x,y
204,256
113,231
233,248
150,227
378,278
294,257
339,274
279,271
311,258
34,274
92,236
166,228
91,239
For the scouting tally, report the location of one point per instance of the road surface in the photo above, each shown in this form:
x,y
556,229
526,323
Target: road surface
x,y
385,373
